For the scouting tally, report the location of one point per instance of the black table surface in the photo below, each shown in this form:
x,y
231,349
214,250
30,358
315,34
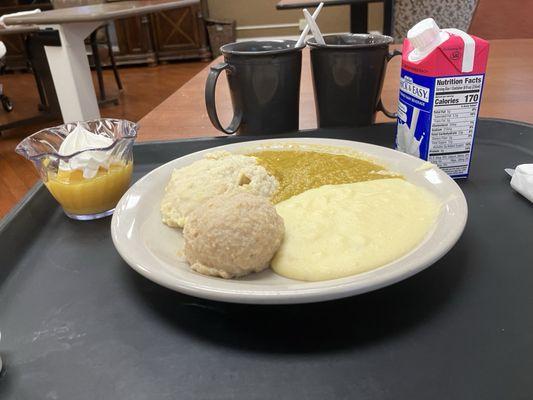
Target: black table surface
x,y
78,323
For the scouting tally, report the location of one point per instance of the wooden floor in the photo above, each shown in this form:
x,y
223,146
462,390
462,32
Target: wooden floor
x,y
144,88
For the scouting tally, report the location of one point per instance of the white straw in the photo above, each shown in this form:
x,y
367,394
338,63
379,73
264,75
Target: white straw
x,y
314,28
305,32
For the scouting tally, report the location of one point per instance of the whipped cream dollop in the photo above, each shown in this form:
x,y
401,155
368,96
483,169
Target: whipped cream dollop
x,y
88,161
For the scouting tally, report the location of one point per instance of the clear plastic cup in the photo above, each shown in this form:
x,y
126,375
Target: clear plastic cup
x,y
82,195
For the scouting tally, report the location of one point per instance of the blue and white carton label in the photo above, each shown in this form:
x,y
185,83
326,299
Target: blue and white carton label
x,y
437,119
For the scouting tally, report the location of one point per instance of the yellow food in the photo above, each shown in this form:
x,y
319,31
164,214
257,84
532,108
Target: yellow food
x,y
340,230
79,195
299,170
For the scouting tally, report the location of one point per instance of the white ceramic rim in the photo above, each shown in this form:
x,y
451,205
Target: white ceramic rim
x,y
125,232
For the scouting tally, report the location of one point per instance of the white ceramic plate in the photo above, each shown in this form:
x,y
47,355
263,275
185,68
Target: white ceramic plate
x,y
151,248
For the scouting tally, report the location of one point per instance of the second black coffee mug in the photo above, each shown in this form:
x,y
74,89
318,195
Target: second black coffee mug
x,y
348,73
264,82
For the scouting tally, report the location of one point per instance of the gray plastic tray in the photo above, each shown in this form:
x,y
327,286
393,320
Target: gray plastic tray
x,y
78,323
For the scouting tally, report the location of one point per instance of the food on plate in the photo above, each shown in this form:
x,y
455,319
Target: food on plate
x,y
232,234
335,214
299,170
217,173
338,230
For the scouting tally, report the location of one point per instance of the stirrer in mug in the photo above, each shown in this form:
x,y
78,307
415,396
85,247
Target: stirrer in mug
x,y
301,39
314,27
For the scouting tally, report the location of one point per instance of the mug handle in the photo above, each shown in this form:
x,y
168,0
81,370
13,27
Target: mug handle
x,y
210,100
381,107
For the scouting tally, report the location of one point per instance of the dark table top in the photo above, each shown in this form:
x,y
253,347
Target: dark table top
x,y
77,323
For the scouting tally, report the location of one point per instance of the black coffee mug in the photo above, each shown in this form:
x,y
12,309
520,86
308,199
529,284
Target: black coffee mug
x,y
264,82
348,73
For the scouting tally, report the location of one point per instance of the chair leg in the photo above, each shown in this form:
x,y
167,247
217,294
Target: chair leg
x,y
112,58
97,65
31,54
388,6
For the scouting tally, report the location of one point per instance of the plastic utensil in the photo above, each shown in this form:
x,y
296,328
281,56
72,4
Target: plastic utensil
x,y
305,32
314,27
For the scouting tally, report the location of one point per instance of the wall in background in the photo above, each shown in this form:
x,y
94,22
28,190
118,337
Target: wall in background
x,y
375,17
263,12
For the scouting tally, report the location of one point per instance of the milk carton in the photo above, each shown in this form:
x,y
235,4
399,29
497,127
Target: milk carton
x,y
441,83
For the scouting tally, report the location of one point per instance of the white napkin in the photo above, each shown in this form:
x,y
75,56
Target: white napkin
x,y
522,180
17,14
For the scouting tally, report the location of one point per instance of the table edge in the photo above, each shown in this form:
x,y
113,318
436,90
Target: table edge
x,y
38,19
331,3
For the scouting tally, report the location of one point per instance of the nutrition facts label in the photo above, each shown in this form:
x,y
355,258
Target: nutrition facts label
x,y
455,108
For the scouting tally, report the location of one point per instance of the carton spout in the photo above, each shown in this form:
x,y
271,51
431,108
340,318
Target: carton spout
x,y
425,37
